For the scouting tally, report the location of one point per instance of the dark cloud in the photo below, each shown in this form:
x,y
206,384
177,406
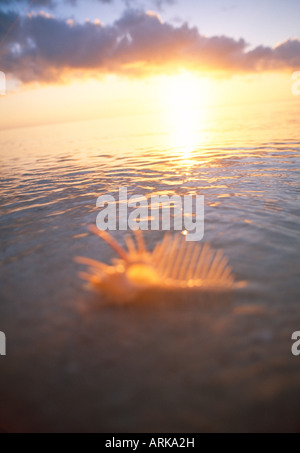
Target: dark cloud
x,y
43,2
37,3
42,48
54,3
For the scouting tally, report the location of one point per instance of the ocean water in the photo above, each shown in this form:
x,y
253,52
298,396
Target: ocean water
x,y
171,366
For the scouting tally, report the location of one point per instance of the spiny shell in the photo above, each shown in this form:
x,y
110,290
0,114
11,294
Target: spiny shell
x,y
173,265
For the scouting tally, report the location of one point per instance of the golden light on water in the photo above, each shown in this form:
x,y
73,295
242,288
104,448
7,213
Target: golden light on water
x,y
185,99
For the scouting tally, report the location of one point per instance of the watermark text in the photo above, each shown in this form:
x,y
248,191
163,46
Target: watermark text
x,y
2,344
2,84
153,213
296,84
296,345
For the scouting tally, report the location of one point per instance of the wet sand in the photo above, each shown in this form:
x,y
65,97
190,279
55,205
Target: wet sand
x,y
188,365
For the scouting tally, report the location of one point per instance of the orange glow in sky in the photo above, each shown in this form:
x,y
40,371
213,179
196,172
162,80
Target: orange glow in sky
x,y
183,95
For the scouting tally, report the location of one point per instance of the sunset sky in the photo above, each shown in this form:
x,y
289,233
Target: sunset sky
x,y
72,60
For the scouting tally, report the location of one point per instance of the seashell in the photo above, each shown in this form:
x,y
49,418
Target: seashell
x,y
174,265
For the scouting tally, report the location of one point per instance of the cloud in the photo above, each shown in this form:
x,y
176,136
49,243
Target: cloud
x,y
53,3
34,3
43,48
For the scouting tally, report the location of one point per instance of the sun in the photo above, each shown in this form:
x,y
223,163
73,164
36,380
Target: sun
x,y
185,100
186,91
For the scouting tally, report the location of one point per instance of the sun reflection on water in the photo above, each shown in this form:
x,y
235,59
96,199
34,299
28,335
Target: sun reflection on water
x,y
186,114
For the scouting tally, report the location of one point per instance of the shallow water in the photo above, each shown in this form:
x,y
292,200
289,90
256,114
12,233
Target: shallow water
x,y
172,365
